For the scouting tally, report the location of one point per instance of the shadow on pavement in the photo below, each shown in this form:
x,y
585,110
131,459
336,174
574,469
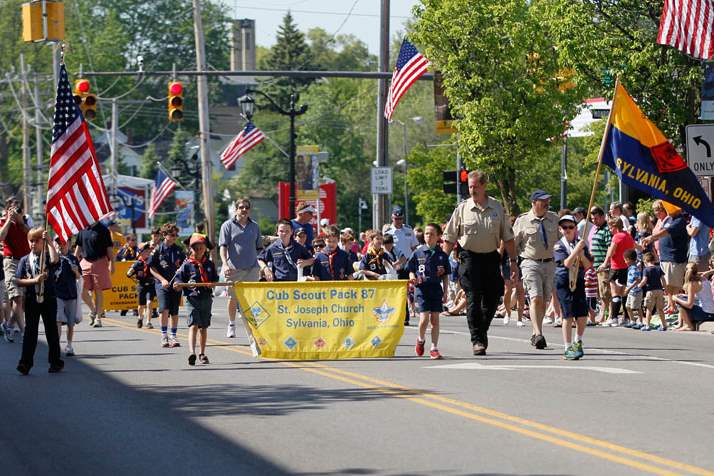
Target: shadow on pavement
x,y
83,422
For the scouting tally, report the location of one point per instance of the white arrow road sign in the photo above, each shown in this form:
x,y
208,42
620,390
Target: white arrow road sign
x,y
477,366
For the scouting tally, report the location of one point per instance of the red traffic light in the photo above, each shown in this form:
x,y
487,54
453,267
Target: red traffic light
x,y
175,89
82,86
463,175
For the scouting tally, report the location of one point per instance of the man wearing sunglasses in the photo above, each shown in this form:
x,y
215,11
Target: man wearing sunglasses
x,y
239,241
536,234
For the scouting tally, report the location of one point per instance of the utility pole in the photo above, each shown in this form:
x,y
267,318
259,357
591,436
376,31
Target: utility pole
x,y
564,173
39,148
26,160
204,128
114,148
381,202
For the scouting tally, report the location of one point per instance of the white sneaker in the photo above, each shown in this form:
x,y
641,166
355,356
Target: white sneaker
x,y
519,324
506,318
547,320
68,351
231,330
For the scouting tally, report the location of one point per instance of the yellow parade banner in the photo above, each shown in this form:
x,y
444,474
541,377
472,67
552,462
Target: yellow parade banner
x,y
325,319
122,296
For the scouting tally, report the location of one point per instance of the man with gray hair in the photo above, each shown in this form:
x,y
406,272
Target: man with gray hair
x,y
239,241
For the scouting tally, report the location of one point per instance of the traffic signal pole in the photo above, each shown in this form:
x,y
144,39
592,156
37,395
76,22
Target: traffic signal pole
x,y
114,147
203,125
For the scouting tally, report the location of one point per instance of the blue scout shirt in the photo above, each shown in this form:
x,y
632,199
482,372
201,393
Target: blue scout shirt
x,y
27,269
195,271
336,265
429,265
65,279
166,260
282,260
140,269
370,263
308,231
561,251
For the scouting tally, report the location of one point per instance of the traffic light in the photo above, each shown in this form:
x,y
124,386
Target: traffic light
x,y
86,100
175,101
456,181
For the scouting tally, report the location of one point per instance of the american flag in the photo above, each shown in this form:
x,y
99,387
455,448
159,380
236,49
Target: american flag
x,y
688,25
163,186
248,138
410,66
76,195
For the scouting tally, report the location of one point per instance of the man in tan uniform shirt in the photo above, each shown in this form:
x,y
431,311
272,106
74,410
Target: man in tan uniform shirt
x,y
536,234
479,224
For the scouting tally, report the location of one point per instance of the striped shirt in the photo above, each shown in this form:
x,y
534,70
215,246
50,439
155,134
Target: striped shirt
x,y
600,243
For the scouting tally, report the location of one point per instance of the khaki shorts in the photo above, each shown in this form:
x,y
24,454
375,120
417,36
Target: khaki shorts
x,y
96,274
603,285
249,275
654,301
9,266
538,278
673,273
634,301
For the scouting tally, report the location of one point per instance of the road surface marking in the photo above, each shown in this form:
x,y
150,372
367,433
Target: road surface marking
x,y
474,412
478,366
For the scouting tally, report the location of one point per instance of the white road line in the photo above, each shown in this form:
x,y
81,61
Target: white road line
x,y
589,349
479,366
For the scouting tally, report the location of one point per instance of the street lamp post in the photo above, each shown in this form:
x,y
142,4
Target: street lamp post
x,y
403,162
182,167
247,105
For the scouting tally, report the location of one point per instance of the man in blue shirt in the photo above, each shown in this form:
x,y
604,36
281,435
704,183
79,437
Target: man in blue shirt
x,y
699,244
673,248
304,221
280,261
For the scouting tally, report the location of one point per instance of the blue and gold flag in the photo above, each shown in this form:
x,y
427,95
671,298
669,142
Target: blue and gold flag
x,y
643,158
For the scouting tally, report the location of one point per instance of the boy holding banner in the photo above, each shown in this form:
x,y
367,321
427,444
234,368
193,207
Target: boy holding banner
x,y
429,270
197,270
280,261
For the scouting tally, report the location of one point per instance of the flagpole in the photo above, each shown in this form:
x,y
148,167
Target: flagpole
x,y
573,275
168,174
599,160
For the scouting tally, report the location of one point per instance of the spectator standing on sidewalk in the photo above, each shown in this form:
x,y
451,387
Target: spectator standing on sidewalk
x,y
239,242
699,244
95,247
599,244
479,224
13,234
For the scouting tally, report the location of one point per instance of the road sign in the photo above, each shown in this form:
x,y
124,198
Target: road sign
x,y
700,145
382,180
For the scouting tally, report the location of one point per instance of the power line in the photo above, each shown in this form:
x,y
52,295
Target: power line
x,y
318,12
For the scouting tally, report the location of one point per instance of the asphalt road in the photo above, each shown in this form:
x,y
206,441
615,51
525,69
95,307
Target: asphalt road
x,y
637,403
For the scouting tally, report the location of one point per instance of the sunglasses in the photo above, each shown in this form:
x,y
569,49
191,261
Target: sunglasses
x,y
318,246
242,207
568,227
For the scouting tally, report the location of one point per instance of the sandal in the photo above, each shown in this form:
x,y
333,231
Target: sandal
x,y
203,358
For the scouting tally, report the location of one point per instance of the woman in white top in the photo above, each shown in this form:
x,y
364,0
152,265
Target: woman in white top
x,y
697,305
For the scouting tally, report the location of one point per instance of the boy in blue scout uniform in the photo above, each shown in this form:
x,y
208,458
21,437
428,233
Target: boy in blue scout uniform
x,y
429,270
336,263
164,262
197,269
280,260
145,284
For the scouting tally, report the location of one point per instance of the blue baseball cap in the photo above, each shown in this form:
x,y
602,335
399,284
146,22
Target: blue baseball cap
x,y
539,195
398,212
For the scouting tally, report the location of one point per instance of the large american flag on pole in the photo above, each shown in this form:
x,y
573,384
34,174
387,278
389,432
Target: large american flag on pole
x,y
688,25
410,66
76,195
248,138
163,186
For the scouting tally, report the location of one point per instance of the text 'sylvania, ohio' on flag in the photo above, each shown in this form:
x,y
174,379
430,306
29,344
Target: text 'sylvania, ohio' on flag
x,y
643,158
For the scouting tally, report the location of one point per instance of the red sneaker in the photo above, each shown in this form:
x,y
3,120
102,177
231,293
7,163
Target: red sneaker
x,y
435,355
419,348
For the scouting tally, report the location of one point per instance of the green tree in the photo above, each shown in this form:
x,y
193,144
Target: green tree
x,y
504,80
148,162
604,38
290,52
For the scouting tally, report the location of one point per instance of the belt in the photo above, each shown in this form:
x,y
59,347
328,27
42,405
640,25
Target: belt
x,y
544,260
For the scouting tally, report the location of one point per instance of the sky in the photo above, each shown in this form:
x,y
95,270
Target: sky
x,y
331,15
